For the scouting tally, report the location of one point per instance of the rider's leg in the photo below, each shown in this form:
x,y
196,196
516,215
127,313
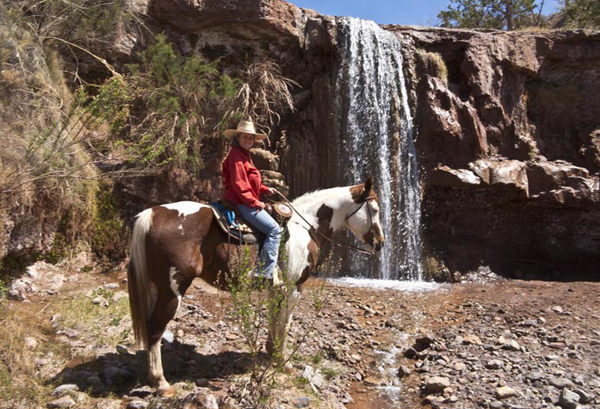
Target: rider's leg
x,y
263,221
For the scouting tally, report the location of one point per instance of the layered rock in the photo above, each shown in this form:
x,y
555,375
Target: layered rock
x,y
508,136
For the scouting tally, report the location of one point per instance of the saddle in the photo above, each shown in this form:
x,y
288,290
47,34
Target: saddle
x,y
240,230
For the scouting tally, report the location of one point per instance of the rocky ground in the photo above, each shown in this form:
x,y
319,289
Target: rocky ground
x,y
501,344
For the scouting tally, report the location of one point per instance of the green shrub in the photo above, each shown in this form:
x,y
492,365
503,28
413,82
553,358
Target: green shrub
x,y
109,233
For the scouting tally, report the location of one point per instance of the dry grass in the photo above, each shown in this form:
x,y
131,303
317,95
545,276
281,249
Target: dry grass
x,y
105,324
23,383
265,93
434,65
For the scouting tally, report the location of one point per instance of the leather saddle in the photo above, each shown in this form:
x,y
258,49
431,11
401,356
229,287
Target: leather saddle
x,y
241,231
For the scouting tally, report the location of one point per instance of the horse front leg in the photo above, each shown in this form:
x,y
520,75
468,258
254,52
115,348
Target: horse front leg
x,y
282,305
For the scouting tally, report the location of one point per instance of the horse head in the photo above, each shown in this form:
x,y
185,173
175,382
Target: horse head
x,y
363,219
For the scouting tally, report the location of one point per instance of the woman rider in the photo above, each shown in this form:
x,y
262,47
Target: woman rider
x,y
243,187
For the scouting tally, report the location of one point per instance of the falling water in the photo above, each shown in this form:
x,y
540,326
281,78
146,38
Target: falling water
x,y
376,140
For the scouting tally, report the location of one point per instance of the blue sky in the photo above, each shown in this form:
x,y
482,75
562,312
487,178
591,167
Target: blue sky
x,y
407,12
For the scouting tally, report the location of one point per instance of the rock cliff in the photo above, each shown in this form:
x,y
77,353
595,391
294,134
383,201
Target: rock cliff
x,y
508,129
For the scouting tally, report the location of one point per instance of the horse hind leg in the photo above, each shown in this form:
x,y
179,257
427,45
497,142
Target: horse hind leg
x,y
164,312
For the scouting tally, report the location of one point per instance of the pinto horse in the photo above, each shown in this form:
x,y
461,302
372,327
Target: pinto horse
x,y
174,243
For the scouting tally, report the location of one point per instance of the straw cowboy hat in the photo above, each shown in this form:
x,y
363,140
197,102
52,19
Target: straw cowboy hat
x,y
244,127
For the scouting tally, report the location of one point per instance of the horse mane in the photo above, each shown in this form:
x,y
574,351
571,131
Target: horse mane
x,y
334,198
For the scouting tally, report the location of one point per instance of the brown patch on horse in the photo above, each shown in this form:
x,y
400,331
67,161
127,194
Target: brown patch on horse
x,y
362,192
324,217
168,247
313,256
368,237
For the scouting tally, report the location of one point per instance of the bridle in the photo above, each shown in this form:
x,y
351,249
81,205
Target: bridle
x,y
332,240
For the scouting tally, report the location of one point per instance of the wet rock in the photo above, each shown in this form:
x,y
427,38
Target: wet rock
x,y
423,342
403,371
65,389
436,384
373,381
410,353
505,392
568,399
64,402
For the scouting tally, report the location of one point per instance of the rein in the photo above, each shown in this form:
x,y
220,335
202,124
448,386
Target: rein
x,y
331,240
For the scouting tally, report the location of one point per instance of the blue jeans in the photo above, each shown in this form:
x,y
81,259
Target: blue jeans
x,y
261,220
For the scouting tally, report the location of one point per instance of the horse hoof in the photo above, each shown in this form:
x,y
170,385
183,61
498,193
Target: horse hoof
x,y
165,391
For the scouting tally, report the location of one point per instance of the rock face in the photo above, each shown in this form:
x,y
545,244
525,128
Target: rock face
x,y
517,111
508,133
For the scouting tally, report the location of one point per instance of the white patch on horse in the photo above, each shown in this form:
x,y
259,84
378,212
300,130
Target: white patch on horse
x,y
374,205
297,251
174,285
185,208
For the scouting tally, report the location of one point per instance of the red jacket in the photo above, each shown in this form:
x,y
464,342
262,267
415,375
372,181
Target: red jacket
x,y
241,179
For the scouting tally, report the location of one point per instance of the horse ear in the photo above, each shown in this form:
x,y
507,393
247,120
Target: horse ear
x,y
368,185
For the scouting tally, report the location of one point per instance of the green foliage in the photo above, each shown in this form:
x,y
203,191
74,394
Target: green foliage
x,y
498,14
109,232
77,21
163,109
3,283
256,308
316,359
581,13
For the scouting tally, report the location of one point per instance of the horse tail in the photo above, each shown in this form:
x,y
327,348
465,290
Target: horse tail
x,y
140,297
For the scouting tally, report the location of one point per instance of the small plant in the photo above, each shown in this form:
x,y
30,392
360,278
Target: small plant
x,y
256,306
434,65
316,359
329,373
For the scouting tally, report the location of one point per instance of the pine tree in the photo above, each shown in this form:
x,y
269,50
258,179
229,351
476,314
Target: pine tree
x,y
498,14
581,13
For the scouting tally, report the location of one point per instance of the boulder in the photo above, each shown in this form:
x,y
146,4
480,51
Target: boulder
x,y
443,176
502,173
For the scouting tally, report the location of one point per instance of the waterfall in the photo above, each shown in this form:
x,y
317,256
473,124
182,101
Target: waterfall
x,y
375,139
